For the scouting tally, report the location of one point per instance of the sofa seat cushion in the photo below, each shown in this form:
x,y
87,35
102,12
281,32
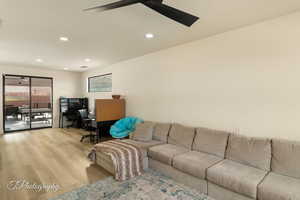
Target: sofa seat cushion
x,y
166,152
143,146
279,187
195,163
236,177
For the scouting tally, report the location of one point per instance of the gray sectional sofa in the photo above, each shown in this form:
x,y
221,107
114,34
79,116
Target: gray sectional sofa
x,y
223,165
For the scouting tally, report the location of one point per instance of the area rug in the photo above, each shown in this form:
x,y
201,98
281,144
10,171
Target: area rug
x,y
149,186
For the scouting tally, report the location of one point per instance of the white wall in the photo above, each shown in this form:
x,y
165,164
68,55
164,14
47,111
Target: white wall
x,y
64,84
246,80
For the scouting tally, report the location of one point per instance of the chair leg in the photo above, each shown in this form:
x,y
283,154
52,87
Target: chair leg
x,y
82,138
90,138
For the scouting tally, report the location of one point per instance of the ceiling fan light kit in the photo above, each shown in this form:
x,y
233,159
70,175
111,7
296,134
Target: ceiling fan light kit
x,y
156,5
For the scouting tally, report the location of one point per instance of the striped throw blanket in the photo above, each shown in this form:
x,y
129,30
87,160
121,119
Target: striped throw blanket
x,y
127,158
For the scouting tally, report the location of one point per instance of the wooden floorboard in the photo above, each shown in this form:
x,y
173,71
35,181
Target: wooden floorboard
x,y
46,156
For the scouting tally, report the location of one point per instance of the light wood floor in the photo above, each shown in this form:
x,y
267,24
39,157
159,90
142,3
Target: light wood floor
x,y
47,156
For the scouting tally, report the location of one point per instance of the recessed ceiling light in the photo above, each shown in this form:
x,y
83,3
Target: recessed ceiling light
x,y
87,60
149,35
64,39
39,60
66,68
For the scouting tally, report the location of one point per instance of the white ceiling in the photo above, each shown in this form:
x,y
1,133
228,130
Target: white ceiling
x,y
30,29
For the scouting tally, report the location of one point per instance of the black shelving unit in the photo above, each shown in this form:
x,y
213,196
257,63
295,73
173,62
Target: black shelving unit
x,y
71,104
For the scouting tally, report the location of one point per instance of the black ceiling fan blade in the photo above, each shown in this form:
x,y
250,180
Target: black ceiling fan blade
x,y
117,4
172,13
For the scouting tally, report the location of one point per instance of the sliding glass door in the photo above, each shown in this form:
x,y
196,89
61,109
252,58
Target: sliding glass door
x,y
16,103
27,102
41,102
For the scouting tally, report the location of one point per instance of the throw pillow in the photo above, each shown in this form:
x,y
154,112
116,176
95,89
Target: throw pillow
x,y
143,132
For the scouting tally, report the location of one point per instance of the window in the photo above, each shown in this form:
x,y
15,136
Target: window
x,y
102,83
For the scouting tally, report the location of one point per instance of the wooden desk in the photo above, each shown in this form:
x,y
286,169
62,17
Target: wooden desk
x,y
108,111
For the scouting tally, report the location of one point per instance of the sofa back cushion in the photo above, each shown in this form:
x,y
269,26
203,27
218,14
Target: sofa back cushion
x,y
181,135
211,141
286,158
161,132
255,152
143,132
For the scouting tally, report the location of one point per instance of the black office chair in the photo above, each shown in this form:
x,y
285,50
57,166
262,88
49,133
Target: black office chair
x,y
87,124
72,116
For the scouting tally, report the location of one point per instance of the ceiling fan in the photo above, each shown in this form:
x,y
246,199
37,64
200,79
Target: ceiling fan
x,y
157,5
